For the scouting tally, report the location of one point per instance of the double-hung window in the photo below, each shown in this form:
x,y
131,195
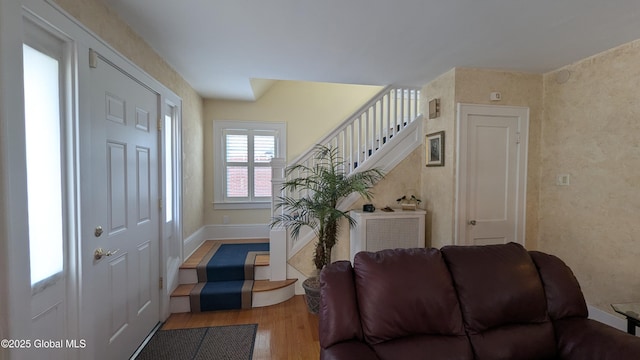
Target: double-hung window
x,y
242,155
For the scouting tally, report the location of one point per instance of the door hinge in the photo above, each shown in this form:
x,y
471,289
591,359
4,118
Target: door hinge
x,y
159,124
93,59
160,203
161,283
517,138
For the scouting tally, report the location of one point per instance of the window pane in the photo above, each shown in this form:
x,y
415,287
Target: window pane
x,y
44,176
168,166
237,148
237,181
264,148
262,181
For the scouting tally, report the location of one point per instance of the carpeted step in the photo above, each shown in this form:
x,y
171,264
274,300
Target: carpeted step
x,y
225,277
265,293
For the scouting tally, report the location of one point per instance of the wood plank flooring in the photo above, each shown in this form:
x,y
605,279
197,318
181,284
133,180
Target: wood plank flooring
x,y
286,331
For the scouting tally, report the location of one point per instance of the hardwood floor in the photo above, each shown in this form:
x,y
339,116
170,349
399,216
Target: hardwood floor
x,y
285,331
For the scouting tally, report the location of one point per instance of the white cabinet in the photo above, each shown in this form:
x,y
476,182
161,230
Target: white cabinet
x,y
381,230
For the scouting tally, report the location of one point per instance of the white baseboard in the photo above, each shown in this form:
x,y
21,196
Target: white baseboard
x,y
224,232
607,318
192,242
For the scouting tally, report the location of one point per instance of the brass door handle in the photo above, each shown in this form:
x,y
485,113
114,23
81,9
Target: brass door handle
x,y
472,222
100,253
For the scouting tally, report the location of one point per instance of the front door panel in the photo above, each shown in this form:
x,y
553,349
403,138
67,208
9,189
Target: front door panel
x,y
121,281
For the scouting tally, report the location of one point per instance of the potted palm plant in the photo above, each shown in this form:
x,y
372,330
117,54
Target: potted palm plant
x,y
312,201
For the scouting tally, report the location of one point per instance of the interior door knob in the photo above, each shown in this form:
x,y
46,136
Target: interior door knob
x,y
100,253
472,222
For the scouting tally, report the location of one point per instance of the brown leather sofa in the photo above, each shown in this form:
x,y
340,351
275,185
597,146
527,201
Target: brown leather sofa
x,y
478,302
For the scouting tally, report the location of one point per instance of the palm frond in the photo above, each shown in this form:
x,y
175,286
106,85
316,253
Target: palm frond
x,y
317,189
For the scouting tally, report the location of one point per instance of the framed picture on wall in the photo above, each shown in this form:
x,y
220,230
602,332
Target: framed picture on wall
x,y
435,149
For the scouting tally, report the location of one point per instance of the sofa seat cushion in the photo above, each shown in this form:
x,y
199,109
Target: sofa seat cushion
x,y
352,349
405,292
502,300
522,342
425,347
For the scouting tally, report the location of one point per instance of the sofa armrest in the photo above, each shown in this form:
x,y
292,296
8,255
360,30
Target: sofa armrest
x,y
348,350
564,296
339,316
584,339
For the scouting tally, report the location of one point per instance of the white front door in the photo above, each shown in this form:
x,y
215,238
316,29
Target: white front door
x,y
491,174
121,288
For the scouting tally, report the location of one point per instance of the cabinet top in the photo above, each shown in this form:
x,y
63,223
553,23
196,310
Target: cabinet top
x,y
395,211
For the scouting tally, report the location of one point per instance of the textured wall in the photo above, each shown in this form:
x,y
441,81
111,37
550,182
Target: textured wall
x,y
311,110
591,130
96,16
438,183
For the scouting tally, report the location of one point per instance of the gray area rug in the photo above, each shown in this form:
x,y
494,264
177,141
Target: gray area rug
x,y
233,342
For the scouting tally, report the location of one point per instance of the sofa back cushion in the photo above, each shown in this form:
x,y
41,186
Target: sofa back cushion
x,y
502,301
405,292
338,313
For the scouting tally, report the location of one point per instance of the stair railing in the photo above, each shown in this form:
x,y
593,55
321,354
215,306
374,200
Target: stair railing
x,y
370,127
357,138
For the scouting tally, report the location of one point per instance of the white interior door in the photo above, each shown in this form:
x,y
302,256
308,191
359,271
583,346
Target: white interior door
x,y
122,287
491,174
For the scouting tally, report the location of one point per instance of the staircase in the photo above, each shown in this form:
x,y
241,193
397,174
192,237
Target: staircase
x,y
264,293
380,134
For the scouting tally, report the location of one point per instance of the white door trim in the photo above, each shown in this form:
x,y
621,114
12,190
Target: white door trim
x,y
463,111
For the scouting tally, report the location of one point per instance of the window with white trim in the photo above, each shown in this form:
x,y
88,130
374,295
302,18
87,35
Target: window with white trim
x,y
242,162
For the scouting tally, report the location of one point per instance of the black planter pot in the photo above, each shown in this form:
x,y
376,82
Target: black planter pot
x,y
311,288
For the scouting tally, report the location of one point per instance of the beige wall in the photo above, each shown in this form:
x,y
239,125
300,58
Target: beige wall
x,y
311,110
591,130
464,85
100,19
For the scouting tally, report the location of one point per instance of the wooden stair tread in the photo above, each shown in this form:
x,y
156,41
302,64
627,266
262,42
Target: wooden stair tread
x,y
266,285
262,260
202,251
183,290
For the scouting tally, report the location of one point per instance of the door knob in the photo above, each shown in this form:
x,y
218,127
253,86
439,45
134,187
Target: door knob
x,y
472,222
98,231
100,253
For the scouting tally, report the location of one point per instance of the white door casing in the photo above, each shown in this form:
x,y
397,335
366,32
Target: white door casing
x,y
121,288
491,174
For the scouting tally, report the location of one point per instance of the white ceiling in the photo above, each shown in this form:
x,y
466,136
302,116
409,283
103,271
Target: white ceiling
x,y
219,46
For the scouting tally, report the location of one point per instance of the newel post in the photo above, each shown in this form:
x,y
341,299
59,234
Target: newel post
x,y
278,234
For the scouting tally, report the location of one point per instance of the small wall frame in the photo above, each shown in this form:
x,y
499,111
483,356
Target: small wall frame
x,y
435,149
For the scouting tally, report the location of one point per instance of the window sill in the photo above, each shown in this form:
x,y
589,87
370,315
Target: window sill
x,y
242,205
